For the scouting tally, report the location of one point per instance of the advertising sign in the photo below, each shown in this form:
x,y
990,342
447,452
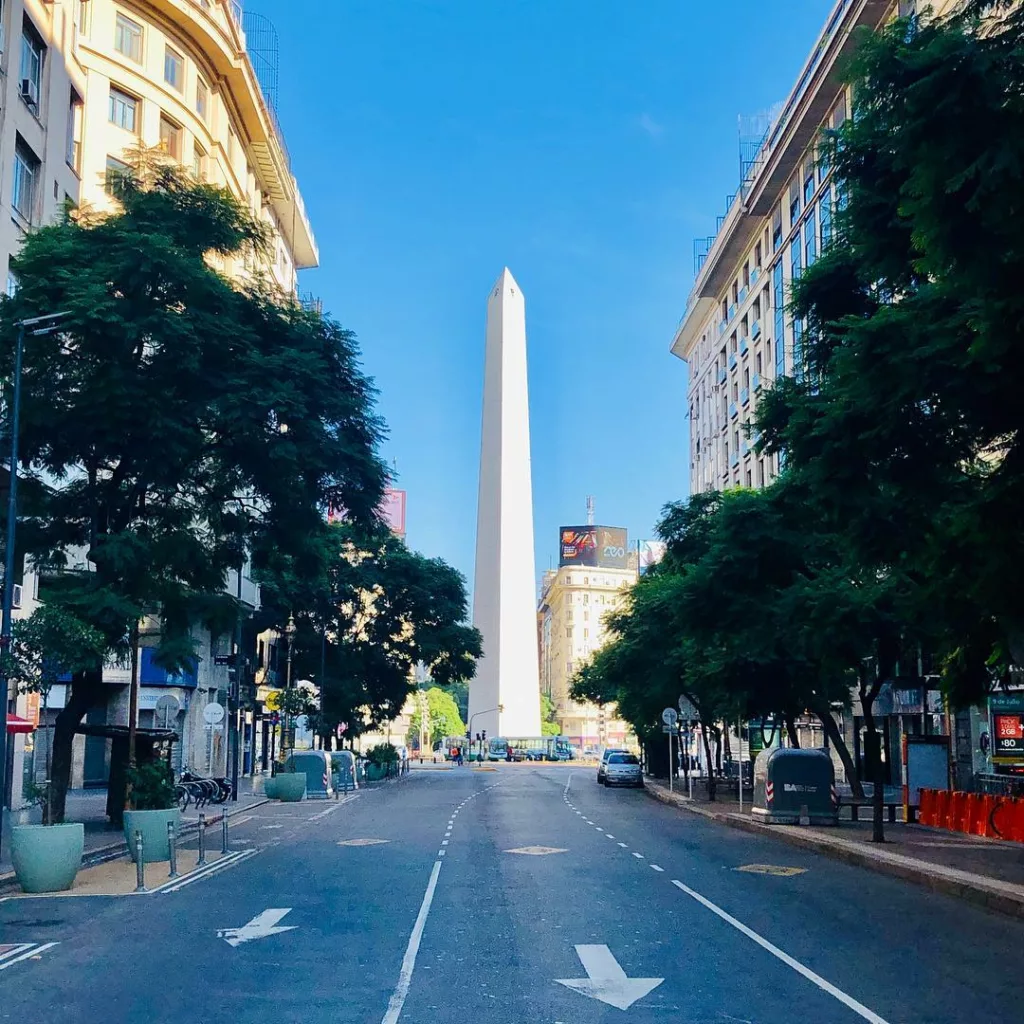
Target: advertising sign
x,y
1007,715
650,552
612,547
577,545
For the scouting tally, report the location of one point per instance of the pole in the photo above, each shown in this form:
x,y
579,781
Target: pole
x,y
8,598
202,841
133,698
234,692
739,759
670,772
140,864
172,850
290,634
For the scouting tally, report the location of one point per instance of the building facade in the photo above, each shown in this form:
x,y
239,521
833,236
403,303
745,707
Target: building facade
x,y
87,82
574,603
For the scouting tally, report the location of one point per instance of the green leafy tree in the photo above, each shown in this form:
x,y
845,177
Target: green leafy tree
x,y
386,610
549,724
176,422
443,718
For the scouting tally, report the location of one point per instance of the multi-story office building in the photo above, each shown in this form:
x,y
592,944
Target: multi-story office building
x,y
735,334
574,602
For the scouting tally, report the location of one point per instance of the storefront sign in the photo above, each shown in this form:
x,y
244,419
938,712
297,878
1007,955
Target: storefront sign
x,y
1007,733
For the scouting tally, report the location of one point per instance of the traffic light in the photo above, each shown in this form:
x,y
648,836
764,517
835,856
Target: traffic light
x,y
483,735
478,737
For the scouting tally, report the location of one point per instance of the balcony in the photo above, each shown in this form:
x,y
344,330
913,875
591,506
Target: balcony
x,y
755,329
745,448
733,411
734,460
721,327
732,312
755,382
744,345
755,274
723,376
744,292
745,396
732,360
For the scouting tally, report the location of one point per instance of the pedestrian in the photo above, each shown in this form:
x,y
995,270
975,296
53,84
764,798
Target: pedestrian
x,y
508,753
458,756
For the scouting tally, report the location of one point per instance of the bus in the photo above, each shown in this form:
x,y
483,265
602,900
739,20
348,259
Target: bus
x,y
529,748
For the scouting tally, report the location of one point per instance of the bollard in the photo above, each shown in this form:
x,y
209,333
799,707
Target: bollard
x,y
172,850
140,864
202,841
224,833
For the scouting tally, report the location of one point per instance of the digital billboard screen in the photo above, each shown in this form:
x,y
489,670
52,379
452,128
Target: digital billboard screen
x,y
593,546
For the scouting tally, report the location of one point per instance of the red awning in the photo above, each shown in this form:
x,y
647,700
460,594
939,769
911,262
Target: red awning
x,y
17,724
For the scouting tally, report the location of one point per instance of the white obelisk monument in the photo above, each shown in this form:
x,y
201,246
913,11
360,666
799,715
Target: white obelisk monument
x,y
504,595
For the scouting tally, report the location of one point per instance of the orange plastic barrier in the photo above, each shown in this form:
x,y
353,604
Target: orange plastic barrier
x,y
926,808
941,808
973,823
955,819
1011,820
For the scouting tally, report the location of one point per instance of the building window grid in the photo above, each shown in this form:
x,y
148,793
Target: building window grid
x,y
23,193
128,38
123,109
32,54
174,69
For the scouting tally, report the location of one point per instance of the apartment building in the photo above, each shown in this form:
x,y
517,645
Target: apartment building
x,y
574,603
735,334
93,80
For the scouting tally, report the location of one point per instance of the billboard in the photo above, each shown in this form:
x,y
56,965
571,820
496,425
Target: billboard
x,y
649,552
392,511
595,546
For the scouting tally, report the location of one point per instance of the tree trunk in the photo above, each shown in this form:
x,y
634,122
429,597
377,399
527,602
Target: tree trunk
x,y
873,757
794,739
828,723
85,691
707,757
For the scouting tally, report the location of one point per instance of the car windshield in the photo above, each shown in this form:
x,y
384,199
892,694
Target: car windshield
x,y
623,759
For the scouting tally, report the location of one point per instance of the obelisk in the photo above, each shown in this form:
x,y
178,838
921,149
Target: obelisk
x,y
504,595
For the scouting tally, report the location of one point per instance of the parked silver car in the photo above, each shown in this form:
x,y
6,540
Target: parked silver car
x,y
603,763
623,769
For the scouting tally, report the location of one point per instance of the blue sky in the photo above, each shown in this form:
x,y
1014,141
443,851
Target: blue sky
x,y
583,143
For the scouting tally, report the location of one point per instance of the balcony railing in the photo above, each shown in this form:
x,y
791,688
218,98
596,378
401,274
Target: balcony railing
x,y
755,329
745,396
733,411
755,382
732,360
723,375
743,293
734,459
744,345
755,274
732,312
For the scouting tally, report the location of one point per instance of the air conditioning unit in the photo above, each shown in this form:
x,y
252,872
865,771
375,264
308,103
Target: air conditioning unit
x,y
30,91
16,602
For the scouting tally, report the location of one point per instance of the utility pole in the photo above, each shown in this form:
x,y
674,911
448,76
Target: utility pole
x,y
12,521
234,688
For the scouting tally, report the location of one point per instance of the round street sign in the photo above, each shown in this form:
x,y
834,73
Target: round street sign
x,y
213,714
670,716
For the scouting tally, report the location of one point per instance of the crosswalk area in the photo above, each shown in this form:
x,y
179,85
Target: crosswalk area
x,y
14,953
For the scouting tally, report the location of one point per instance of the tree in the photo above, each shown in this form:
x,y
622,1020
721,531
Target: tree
x,y
178,421
549,724
48,644
385,610
443,718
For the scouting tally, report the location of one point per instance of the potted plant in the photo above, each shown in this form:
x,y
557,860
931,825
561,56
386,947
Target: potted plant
x,y
153,806
46,857
383,759
289,784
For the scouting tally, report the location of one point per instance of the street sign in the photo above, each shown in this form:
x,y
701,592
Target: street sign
x,y
213,714
687,709
669,729
223,659
670,716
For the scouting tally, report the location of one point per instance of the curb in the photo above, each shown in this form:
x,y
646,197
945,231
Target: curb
x,y
113,851
1003,897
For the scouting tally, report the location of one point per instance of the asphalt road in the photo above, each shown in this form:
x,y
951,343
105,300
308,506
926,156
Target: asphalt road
x,y
414,903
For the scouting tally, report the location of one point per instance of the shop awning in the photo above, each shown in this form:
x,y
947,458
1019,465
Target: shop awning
x,y
17,724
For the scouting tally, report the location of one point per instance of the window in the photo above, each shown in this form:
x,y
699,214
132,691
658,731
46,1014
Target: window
x,y
128,38
795,256
568,632
202,98
73,143
12,284
26,170
170,138
32,52
794,203
825,207
198,162
123,110
810,238
174,69
780,312
115,169
808,181
777,229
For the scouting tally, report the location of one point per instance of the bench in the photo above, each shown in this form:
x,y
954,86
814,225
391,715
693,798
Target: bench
x,y
891,806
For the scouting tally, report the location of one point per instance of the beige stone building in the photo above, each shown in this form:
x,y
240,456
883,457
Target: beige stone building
x,y
573,605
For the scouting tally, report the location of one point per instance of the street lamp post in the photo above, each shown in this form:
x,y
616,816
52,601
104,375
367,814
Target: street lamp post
x,y
289,635
12,518
499,709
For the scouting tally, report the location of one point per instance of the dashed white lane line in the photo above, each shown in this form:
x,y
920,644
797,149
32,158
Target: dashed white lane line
x,y
609,835
624,846
639,856
859,1008
654,867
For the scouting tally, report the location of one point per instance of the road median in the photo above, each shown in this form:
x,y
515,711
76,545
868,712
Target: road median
x,y
997,894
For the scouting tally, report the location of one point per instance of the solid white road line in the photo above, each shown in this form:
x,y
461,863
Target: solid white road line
x,y
34,951
398,997
859,1008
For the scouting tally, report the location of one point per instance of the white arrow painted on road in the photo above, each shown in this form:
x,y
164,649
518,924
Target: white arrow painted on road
x,y
606,980
259,927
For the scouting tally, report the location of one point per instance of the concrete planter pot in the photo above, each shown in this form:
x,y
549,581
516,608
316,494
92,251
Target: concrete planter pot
x,y
270,788
46,858
291,788
153,826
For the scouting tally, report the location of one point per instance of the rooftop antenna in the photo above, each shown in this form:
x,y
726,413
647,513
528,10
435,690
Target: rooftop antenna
x,y
590,510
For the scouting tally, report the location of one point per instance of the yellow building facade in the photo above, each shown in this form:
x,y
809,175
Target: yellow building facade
x,y
573,607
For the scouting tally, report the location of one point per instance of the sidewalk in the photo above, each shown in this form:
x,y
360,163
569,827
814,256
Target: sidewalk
x,y
103,841
989,872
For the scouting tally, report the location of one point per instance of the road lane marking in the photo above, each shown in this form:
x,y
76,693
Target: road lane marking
x,y
363,842
398,997
606,980
30,954
260,927
859,1008
639,856
771,869
609,835
227,861
537,851
654,867
624,846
